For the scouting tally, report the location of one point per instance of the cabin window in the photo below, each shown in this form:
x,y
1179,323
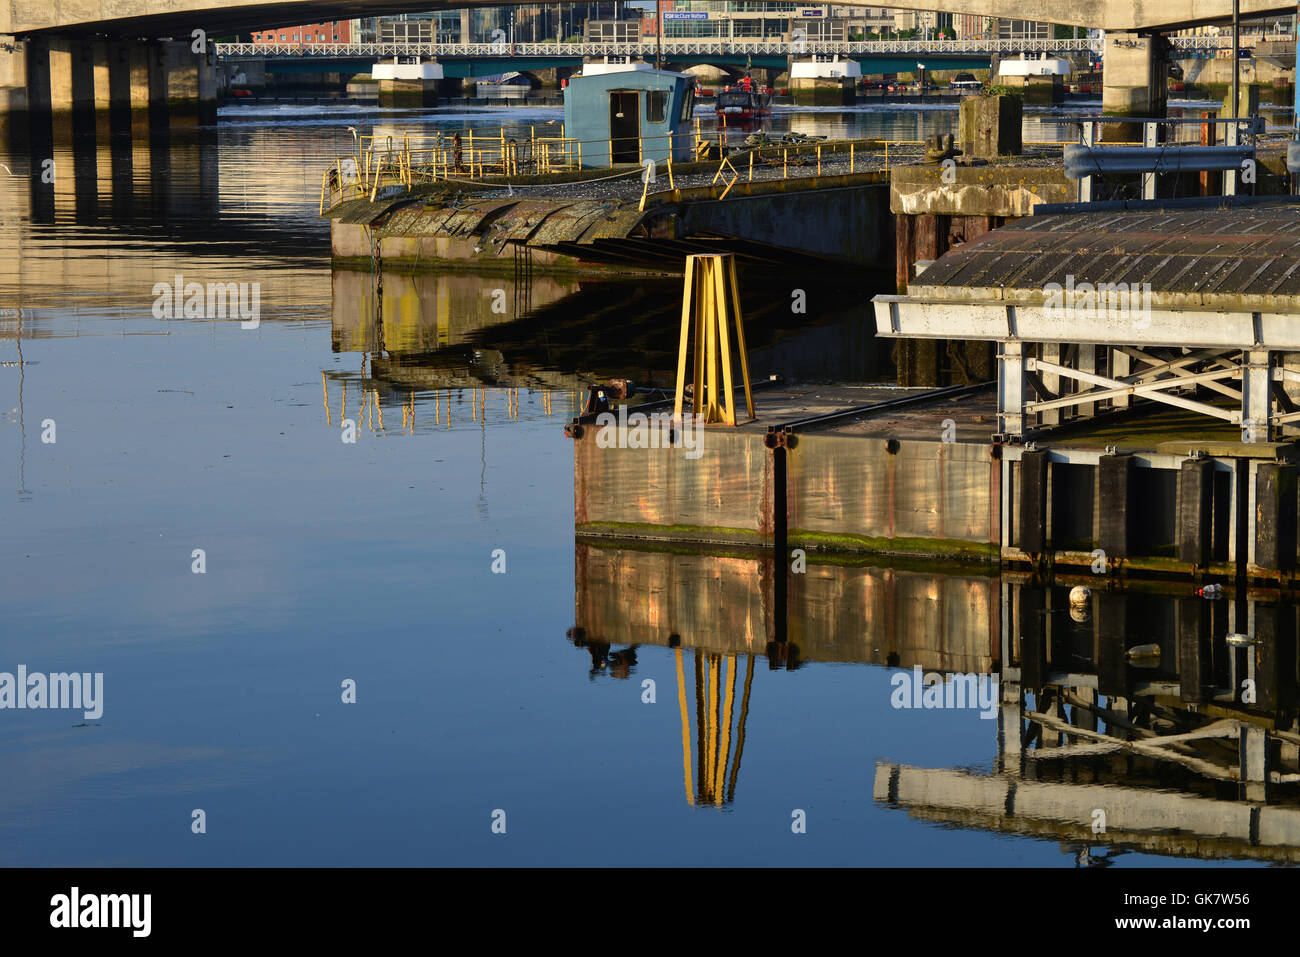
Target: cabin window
x,y
688,104
656,106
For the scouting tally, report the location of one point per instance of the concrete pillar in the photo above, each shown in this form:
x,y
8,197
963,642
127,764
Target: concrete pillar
x,y
191,85
101,73
139,55
1247,102
72,86
117,57
990,126
823,91
408,93
1135,82
13,90
147,85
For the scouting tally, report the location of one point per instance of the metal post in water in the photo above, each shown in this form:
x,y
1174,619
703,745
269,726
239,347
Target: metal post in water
x,y
1236,59
659,35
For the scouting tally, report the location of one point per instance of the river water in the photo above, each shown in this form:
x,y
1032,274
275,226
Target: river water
x,y
183,518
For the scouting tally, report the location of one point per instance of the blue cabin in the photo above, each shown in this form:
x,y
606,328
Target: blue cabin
x,y
641,112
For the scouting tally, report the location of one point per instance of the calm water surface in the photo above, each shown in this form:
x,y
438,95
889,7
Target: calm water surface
x,y
373,561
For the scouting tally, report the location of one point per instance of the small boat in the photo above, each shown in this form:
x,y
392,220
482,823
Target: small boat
x,y
745,101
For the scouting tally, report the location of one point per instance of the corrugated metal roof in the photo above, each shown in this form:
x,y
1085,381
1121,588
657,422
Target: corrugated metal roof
x,y
1245,258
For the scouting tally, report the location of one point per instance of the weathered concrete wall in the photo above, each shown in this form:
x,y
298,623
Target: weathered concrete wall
x,y
1010,190
990,126
1218,71
845,222
723,496
850,493
849,224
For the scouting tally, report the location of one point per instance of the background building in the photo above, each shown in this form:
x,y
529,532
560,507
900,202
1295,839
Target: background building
x,y
334,31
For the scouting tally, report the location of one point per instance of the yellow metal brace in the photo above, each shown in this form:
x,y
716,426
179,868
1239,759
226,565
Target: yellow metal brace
x,y
711,296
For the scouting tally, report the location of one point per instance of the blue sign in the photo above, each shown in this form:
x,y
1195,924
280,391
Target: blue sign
x,y
687,15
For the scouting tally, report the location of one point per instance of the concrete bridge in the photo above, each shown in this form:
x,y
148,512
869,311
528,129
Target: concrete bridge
x,y
146,63
146,18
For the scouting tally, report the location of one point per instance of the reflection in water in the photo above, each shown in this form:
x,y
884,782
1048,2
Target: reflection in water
x,y
465,330
716,767
1191,749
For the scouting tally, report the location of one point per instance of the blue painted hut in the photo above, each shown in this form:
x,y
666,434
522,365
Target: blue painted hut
x,y
637,111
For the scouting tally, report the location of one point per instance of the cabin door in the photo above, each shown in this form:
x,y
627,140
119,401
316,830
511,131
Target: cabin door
x,y
625,125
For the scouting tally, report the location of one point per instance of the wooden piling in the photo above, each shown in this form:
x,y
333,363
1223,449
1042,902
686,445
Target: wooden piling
x,y
1114,480
1033,503
1195,511
1275,516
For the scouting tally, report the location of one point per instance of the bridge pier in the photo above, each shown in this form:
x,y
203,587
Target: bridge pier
x,y
191,85
1135,81
71,86
64,85
407,84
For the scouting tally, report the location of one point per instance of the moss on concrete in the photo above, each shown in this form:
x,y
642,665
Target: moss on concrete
x,y
950,548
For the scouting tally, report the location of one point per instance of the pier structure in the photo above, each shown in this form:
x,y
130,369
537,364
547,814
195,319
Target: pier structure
x,y
86,84
1141,418
1190,313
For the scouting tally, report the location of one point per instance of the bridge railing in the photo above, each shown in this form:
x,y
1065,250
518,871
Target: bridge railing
x,y
697,46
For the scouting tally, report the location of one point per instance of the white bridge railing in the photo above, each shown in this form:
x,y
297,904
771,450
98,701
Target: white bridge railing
x,y
702,46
